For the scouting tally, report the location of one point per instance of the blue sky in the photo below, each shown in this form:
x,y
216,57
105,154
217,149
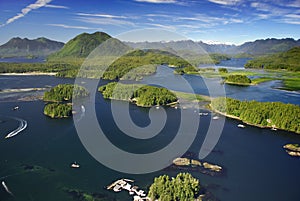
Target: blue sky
x,y
230,21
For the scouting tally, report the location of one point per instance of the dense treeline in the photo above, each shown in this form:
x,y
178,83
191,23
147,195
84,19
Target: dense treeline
x,y
289,60
141,94
238,79
183,187
35,67
139,58
64,92
58,110
264,114
222,70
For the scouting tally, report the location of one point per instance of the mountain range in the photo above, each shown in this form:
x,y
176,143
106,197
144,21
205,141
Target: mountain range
x,y
83,44
40,47
256,48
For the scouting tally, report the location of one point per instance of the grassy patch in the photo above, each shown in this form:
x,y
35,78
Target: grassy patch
x,y
191,97
262,79
292,84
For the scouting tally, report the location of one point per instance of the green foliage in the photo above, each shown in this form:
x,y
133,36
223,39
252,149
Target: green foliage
x,y
183,187
64,92
143,95
61,94
140,60
271,114
35,67
223,70
289,60
58,110
238,79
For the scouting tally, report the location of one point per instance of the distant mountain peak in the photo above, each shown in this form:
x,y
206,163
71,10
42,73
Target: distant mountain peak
x,y
80,46
213,42
18,47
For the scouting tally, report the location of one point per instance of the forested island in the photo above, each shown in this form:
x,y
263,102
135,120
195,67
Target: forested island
x,y
262,114
183,187
58,110
142,95
65,92
60,97
241,80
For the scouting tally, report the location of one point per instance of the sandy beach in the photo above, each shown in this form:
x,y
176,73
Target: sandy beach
x,y
29,73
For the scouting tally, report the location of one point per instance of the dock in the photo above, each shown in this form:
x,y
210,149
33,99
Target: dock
x,y
124,184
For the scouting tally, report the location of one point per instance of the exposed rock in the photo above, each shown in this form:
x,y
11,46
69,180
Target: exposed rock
x,y
212,167
182,161
292,149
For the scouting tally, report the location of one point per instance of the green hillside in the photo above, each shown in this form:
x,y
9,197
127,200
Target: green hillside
x,y
289,60
79,47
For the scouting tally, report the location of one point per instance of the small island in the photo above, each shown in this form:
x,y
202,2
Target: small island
x,y
141,95
58,110
166,188
241,80
292,149
59,98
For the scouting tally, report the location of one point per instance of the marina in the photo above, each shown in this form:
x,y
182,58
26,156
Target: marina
x,y
124,184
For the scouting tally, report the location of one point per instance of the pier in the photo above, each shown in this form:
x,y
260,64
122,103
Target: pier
x,y
123,184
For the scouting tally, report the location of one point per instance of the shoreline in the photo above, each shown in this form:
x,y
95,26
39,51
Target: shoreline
x,y
21,90
250,124
29,74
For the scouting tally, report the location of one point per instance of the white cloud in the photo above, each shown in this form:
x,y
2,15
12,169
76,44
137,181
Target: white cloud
x,y
38,4
168,27
69,26
102,15
157,1
225,2
56,6
104,21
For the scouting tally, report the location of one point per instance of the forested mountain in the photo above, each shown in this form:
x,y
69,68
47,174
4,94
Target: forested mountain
x,y
80,46
268,46
18,47
289,60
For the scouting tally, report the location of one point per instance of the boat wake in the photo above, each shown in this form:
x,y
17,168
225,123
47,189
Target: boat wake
x,y
6,188
22,126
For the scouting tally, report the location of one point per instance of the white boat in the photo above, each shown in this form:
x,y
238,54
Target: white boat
x,y
215,118
274,129
75,165
241,126
16,108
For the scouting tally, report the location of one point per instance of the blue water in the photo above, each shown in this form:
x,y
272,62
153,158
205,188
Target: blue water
x,y
256,165
23,60
263,92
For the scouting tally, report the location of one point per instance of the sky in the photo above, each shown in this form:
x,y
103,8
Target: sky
x,y
225,21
